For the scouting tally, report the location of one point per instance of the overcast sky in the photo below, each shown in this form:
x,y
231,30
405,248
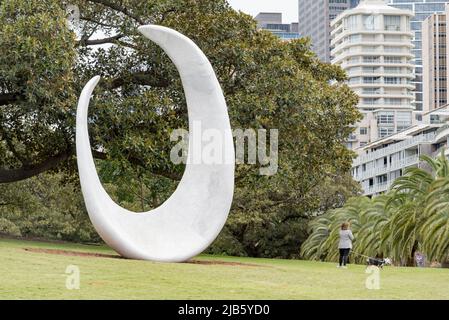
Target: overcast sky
x,y
289,8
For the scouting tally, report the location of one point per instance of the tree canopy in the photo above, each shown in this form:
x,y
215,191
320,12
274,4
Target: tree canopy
x,y
268,84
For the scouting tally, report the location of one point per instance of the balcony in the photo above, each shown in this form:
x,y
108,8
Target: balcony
x,y
378,188
385,169
392,27
400,146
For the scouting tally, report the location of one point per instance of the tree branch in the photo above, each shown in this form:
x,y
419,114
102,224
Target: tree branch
x,y
87,19
119,8
9,98
135,161
112,39
28,171
140,78
13,175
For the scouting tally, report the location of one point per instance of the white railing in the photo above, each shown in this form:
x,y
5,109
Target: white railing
x,y
378,188
385,169
423,138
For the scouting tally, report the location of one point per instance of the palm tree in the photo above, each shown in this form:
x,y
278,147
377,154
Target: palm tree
x,y
319,232
323,241
408,201
374,219
413,215
435,230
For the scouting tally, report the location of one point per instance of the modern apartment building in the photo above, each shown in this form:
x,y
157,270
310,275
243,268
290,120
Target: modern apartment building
x,y
373,43
435,58
421,9
385,160
315,17
272,21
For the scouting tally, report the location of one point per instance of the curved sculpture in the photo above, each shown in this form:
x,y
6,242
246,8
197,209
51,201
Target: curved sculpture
x,y
188,222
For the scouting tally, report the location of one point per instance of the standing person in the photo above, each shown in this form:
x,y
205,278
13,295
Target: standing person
x,y
345,244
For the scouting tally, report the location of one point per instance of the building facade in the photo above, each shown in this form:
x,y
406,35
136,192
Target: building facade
x,y
421,9
373,44
272,21
435,58
315,17
380,163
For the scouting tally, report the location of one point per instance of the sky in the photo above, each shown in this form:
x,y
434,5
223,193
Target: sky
x,y
289,8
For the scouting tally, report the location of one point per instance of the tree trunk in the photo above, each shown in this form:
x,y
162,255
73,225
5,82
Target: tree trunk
x,y
411,259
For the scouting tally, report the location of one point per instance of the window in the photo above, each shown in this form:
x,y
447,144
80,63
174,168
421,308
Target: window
x,y
382,180
371,70
355,38
392,80
371,91
351,22
371,101
393,101
369,80
385,118
404,120
368,22
392,23
393,60
363,131
354,70
392,38
354,80
393,49
392,70
354,60
371,59
384,132
435,119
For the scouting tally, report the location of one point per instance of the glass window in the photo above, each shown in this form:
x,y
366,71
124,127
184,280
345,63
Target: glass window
x,y
368,22
351,22
384,132
392,23
392,59
385,118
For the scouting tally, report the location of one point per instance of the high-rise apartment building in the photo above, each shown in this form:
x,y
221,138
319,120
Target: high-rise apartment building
x,y
312,14
421,9
434,59
315,17
380,163
272,21
373,44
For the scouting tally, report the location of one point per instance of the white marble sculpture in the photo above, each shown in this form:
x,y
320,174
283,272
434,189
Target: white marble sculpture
x,y
188,222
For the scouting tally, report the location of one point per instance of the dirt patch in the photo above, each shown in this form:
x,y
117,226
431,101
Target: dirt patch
x,y
73,253
101,255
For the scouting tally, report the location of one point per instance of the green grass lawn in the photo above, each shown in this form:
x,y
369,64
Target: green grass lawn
x,y
34,275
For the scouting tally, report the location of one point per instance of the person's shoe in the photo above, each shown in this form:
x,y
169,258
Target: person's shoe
x,y
338,266
345,267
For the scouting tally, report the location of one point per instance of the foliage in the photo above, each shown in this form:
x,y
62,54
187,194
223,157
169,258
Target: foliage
x,y
412,216
268,84
46,206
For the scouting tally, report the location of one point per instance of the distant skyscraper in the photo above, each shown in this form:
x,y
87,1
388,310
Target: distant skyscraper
x,y
315,17
435,59
373,43
422,9
272,21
